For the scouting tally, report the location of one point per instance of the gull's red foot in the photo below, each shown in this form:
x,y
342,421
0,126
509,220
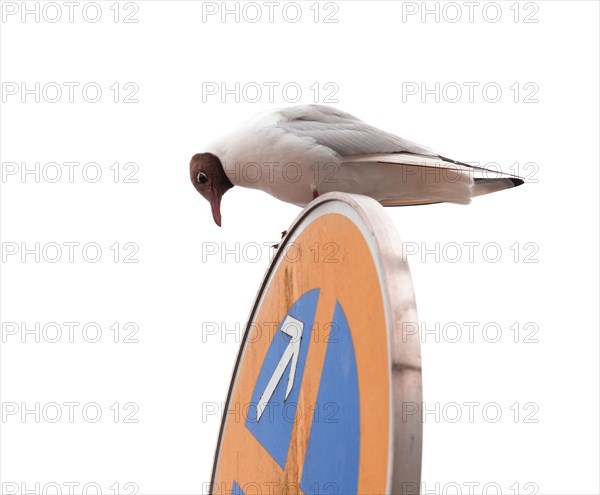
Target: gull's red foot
x,y
315,193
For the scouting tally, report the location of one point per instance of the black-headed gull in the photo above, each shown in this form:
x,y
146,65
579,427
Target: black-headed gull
x,y
299,152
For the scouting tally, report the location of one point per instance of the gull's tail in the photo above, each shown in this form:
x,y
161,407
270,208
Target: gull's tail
x,y
485,186
409,179
487,181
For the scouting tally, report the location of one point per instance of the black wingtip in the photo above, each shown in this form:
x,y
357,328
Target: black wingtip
x,y
517,182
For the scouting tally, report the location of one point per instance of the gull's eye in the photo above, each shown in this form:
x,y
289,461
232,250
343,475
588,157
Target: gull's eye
x,y
202,178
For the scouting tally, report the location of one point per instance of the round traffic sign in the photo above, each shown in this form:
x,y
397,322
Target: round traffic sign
x,y
326,391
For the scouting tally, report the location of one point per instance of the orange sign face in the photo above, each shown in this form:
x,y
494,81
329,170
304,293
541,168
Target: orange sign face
x,y
313,407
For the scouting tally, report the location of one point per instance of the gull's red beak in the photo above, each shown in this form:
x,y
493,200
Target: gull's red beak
x,y
215,205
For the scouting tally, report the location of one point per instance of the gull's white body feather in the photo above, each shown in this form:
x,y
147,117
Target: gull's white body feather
x,y
291,153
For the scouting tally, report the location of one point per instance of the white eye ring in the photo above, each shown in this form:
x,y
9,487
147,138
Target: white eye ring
x,y
201,178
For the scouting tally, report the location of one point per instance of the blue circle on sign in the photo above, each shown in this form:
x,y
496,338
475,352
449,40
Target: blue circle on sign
x,y
332,454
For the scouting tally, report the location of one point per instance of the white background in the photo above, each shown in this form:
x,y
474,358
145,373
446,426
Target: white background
x,y
178,367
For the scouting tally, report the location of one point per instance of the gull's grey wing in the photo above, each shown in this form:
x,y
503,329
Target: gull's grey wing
x,y
344,133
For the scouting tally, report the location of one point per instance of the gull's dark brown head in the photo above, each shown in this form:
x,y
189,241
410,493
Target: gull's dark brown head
x,y
209,179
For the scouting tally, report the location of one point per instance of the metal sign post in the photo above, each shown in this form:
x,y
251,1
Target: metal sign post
x,y
326,392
